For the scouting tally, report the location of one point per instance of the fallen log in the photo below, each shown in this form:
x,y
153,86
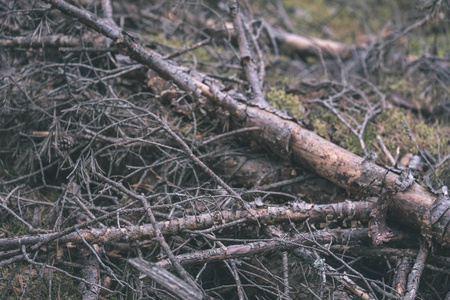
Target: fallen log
x,y
415,206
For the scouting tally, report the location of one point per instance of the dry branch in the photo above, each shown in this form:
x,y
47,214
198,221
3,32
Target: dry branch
x,y
246,56
91,273
166,279
287,138
344,212
313,46
416,271
57,40
325,236
401,274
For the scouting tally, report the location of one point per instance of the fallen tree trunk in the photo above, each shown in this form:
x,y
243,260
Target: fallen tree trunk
x,y
414,206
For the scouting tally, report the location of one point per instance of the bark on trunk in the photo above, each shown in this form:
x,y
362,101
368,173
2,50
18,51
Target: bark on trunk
x,y
360,178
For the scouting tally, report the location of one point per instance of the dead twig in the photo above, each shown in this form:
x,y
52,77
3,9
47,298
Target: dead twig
x,y
416,271
246,57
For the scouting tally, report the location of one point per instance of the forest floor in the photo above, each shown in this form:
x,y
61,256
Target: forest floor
x,y
224,149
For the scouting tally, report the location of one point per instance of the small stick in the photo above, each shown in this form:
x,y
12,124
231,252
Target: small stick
x,y
385,150
421,152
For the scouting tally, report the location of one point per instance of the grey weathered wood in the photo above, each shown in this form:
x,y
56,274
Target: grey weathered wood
x,y
167,280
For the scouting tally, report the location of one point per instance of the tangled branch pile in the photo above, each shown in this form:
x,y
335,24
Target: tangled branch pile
x,y
204,150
